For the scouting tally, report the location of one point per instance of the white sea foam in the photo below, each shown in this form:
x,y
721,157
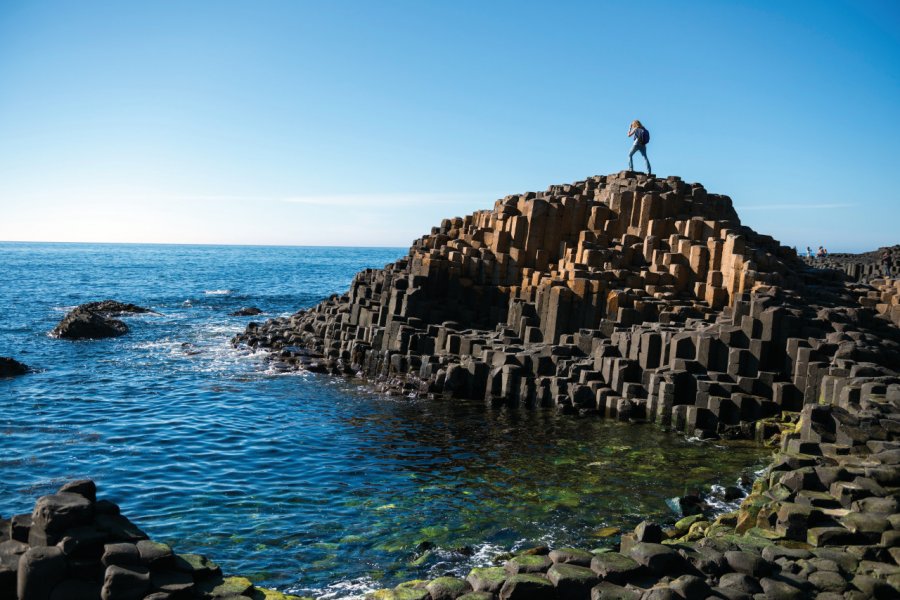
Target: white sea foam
x,y
216,292
342,590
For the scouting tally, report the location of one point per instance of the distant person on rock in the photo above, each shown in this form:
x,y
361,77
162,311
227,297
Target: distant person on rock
x,y
641,139
808,252
886,263
820,253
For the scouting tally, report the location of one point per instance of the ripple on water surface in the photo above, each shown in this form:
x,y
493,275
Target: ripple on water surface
x,y
299,481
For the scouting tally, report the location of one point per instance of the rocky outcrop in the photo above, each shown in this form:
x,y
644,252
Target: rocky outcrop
x,y
94,320
625,296
75,547
10,367
249,311
638,298
865,266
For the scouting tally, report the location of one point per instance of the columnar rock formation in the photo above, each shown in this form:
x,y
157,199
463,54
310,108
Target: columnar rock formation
x,y
75,547
624,295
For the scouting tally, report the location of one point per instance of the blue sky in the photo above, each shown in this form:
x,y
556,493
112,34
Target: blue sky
x,y
365,123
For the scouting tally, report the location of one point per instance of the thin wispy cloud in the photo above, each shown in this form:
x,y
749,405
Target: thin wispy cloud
x,y
794,206
405,199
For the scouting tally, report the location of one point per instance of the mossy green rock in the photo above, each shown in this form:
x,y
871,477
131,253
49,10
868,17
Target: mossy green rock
x,y
196,564
487,579
528,563
572,579
527,586
614,567
477,596
401,592
267,594
682,526
229,586
447,588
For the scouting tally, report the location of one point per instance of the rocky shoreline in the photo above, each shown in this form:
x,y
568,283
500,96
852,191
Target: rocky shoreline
x,y
625,297
76,547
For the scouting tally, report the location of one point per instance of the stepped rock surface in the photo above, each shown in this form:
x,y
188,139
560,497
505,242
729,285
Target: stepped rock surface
x,y
639,298
76,547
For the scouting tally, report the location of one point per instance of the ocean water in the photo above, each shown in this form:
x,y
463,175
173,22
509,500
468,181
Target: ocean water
x,y
302,482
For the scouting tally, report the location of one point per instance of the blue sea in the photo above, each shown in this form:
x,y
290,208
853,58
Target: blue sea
x,y
302,482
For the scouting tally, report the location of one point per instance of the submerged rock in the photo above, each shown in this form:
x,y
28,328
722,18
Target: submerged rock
x,y
10,367
248,311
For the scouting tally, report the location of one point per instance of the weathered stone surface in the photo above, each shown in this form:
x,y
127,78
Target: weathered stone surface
x,y
614,567
527,587
447,588
40,570
487,579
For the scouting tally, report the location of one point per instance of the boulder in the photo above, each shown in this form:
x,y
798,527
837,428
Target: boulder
x,y
10,367
125,583
40,570
527,586
81,324
248,311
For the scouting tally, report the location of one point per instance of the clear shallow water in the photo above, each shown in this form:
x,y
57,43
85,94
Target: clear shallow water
x,y
301,482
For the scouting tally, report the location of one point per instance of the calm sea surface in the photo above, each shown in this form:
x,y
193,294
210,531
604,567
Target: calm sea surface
x,y
301,482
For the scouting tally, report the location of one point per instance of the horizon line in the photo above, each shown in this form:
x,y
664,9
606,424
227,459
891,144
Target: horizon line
x,y
196,244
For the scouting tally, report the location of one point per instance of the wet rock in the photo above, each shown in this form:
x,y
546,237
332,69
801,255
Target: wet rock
x,y
648,532
527,587
486,579
571,556
248,311
82,487
10,367
122,554
690,586
614,567
748,564
125,583
55,513
740,582
447,588
528,563
572,581
660,559
40,570
81,324
610,591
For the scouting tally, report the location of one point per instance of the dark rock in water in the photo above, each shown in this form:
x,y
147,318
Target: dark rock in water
x,y
691,505
248,311
94,320
112,308
83,324
10,367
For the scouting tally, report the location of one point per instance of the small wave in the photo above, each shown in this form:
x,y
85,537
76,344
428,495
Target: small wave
x,y
344,590
216,292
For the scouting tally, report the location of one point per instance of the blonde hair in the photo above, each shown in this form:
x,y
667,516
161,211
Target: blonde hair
x,y
636,123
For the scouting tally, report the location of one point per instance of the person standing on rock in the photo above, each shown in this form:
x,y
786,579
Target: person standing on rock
x,y
886,263
641,139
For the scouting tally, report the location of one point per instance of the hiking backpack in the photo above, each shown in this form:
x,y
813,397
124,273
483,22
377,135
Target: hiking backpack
x,y
644,135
